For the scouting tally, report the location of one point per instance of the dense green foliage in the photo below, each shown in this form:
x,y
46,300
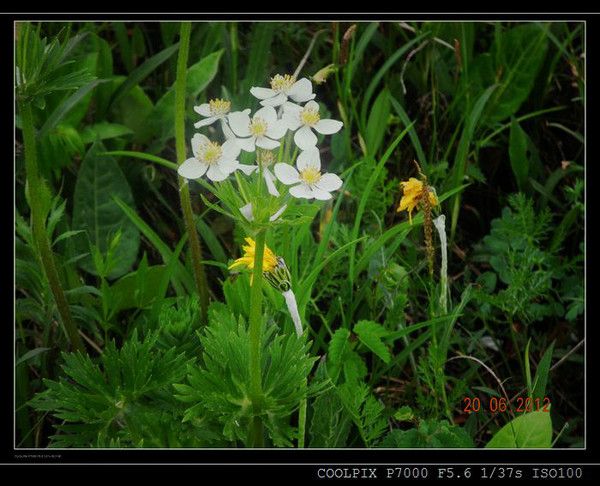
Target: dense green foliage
x,y
493,114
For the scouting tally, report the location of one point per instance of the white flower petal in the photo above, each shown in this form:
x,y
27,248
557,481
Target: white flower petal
x,y
197,140
247,212
292,107
192,169
227,166
286,173
328,127
269,179
301,91
246,144
312,105
321,194
215,174
329,182
309,158
203,109
277,129
278,213
280,99
267,113
291,120
305,138
262,93
230,149
229,135
301,191
239,122
247,169
206,121
266,143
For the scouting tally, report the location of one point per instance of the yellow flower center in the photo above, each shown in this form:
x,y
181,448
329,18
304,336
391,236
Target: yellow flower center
x,y
210,152
309,116
219,106
281,83
258,127
310,175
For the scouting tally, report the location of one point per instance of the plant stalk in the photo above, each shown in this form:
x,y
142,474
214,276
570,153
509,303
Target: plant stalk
x,y
256,297
38,223
184,191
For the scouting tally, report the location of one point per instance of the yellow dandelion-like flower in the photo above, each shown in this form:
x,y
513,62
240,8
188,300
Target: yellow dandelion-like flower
x,y
414,190
247,260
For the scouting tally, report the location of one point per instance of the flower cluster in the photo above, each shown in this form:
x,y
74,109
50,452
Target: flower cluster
x,y
261,133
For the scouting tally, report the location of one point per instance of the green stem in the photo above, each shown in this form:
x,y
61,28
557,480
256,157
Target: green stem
x,y
302,418
255,318
184,191
35,186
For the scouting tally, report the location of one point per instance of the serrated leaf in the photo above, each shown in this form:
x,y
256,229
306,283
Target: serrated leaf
x,y
370,333
338,345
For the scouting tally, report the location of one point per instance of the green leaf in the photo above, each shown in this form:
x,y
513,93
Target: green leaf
x,y
330,425
531,430
370,333
338,345
198,78
517,150
378,121
99,180
64,107
429,434
127,293
103,131
143,71
541,374
32,353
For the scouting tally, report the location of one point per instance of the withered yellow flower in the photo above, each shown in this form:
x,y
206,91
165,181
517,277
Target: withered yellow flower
x,y
414,191
247,260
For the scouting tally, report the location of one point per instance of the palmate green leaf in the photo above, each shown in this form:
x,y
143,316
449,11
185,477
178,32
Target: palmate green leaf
x,y
99,181
218,389
370,334
530,430
109,396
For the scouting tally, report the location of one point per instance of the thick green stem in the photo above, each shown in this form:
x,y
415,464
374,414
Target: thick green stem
x,y
184,192
38,223
256,297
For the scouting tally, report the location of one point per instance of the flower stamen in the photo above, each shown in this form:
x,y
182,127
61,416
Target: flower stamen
x,y
309,116
310,175
210,152
219,106
258,127
281,83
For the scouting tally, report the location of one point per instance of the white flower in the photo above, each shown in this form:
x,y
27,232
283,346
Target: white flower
x,y
249,215
308,180
283,87
214,110
304,120
290,300
263,130
265,159
217,161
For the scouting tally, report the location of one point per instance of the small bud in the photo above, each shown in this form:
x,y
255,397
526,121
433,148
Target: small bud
x,y
322,74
